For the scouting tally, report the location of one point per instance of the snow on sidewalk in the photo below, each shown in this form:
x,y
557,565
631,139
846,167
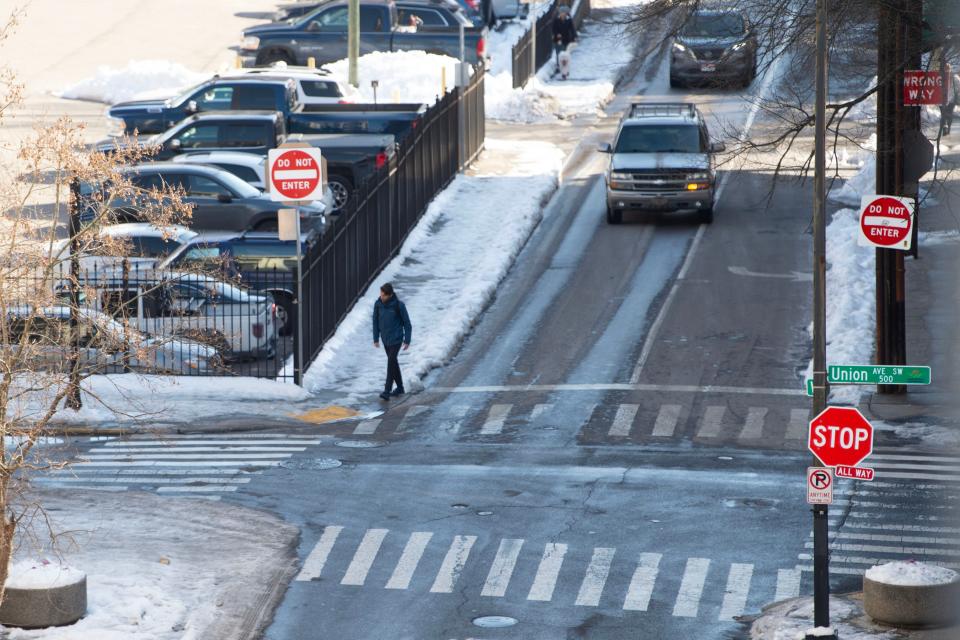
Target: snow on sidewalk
x,y
446,273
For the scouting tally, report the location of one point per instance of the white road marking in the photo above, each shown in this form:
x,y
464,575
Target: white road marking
x,y
641,585
539,410
412,413
210,489
78,471
592,586
712,422
738,586
898,527
453,564
364,556
145,480
204,443
888,456
180,463
691,588
496,416
313,565
917,476
753,426
835,559
367,427
876,537
409,559
617,386
502,568
872,548
623,420
788,584
178,450
799,424
190,456
457,413
547,573
667,419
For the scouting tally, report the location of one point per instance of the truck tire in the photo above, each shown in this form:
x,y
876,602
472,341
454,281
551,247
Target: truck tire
x,y
706,215
285,315
270,56
614,216
342,188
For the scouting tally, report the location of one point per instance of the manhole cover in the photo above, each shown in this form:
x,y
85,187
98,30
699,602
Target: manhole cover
x,y
494,622
459,505
311,464
358,444
484,513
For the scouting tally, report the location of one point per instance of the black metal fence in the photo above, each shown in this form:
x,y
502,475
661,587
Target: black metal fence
x,y
522,51
383,210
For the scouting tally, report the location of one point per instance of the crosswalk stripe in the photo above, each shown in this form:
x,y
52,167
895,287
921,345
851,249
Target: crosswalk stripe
x,y
597,571
914,528
177,463
875,548
799,424
178,450
641,585
918,476
454,421
667,419
367,427
144,480
913,464
313,565
502,568
788,584
239,457
623,420
753,425
835,559
453,564
168,442
496,416
406,423
209,489
547,572
691,588
712,422
409,559
852,535
77,470
914,458
539,410
364,556
738,586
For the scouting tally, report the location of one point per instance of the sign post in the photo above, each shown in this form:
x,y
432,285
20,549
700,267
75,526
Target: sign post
x,y
886,222
295,174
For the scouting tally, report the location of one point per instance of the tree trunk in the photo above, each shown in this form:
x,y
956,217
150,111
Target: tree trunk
x,y
7,531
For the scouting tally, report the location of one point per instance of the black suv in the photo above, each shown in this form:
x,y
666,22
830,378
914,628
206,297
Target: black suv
x,y
259,261
714,46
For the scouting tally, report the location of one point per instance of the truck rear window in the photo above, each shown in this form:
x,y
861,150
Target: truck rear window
x,y
321,89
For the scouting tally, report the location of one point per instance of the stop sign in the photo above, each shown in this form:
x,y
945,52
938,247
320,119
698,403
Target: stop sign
x,y
295,174
840,436
886,221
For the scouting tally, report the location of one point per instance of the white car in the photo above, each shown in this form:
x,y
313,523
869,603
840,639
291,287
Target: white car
x,y
314,85
140,244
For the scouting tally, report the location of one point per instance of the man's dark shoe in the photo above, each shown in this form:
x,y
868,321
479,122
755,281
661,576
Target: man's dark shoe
x,y
385,396
397,392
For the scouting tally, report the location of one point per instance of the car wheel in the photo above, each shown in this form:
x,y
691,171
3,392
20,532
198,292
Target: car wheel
x,y
706,216
341,187
285,315
614,216
274,55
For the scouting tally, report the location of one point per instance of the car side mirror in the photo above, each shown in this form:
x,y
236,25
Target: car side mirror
x,y
605,148
192,107
718,147
175,144
223,197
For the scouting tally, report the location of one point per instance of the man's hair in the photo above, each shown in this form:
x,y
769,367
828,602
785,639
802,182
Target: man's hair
x,y
386,288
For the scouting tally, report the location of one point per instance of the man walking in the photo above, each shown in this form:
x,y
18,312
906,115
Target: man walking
x,y
392,323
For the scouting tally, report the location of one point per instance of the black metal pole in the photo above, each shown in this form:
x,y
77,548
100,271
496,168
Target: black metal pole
x,y
73,399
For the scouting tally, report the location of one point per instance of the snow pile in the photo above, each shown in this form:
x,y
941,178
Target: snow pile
x,y
41,574
402,76
863,183
140,79
446,273
912,574
793,620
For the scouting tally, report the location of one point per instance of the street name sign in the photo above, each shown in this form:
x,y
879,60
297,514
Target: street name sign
x,y
886,222
295,174
925,88
855,473
840,436
819,485
874,374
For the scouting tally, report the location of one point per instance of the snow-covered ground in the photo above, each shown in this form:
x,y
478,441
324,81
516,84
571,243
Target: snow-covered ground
x,y
138,80
446,273
150,571
791,620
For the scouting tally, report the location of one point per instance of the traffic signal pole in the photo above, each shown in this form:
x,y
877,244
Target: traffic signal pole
x,y
353,42
821,542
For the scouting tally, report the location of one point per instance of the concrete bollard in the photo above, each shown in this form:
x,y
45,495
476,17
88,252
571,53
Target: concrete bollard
x,y
43,596
912,594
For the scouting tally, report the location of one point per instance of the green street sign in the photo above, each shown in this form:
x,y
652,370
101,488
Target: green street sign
x,y
873,374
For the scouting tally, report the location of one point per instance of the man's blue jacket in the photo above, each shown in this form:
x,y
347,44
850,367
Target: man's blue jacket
x,y
390,320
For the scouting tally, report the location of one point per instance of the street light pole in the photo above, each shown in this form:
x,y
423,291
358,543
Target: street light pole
x,y
821,543
353,42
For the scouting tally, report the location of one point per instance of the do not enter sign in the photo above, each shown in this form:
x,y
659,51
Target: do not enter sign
x,y
295,174
886,222
840,436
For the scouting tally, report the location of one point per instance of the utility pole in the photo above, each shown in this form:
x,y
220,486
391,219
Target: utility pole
x,y
73,399
353,42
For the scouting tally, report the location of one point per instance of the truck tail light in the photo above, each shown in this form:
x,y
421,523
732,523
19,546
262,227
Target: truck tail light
x,y
344,101
381,159
257,330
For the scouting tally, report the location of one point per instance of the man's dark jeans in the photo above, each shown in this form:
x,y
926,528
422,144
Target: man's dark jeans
x,y
393,367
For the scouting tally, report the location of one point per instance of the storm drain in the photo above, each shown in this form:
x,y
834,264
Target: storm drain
x,y
494,622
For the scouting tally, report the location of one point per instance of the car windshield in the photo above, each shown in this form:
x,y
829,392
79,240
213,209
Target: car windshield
x,y
180,99
659,139
238,186
722,25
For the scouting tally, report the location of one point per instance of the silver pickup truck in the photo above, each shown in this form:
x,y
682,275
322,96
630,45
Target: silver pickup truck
x,y
661,159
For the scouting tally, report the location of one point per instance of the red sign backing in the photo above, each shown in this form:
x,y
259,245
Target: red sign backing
x,y
886,222
925,87
840,436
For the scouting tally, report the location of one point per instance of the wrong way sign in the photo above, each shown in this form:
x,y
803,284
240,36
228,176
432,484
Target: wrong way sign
x,y
295,174
886,222
819,485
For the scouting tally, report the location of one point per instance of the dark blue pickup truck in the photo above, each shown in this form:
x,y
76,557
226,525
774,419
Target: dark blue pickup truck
x,y
322,35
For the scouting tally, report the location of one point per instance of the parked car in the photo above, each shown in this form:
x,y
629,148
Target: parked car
x,y
132,242
322,35
661,159
204,308
105,345
426,13
714,46
258,261
220,200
